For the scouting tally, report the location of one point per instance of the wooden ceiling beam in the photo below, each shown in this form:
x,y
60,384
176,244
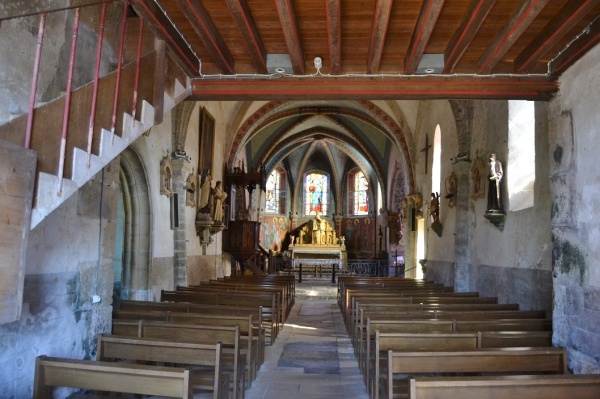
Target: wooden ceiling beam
x,y
518,23
381,18
462,37
430,12
206,30
291,33
418,87
245,23
576,50
556,29
162,27
334,35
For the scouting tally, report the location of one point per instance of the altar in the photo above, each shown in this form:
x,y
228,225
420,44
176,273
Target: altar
x,y
317,244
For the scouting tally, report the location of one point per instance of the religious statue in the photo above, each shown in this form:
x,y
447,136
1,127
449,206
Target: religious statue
x,y
318,227
205,201
451,190
218,197
166,173
434,209
495,192
292,239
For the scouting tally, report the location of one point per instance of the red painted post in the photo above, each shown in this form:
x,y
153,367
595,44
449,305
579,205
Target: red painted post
x,y
34,79
65,127
96,81
119,65
137,69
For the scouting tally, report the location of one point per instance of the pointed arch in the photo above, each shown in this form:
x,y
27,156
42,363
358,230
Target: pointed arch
x,y
136,228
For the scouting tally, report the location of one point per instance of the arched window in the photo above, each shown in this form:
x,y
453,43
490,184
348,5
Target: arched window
x,y
358,193
316,193
275,192
521,154
436,167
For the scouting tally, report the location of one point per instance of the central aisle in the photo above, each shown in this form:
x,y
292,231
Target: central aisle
x,y
312,358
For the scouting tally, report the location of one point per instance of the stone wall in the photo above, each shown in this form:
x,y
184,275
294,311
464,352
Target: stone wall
x,y
574,128
512,263
63,274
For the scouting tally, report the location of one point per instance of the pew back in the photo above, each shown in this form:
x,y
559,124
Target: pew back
x,y
513,387
97,375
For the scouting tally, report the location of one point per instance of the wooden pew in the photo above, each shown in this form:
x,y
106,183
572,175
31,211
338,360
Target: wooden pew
x,y
414,308
488,340
429,340
507,339
465,315
262,285
403,304
364,347
234,359
248,330
489,361
506,387
210,376
237,299
345,289
249,326
263,316
53,372
412,342
231,289
351,295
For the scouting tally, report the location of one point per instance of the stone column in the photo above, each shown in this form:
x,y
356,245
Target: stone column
x,y
181,170
463,113
462,246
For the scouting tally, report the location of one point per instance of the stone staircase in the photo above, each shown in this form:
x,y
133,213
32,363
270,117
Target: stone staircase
x,y
50,195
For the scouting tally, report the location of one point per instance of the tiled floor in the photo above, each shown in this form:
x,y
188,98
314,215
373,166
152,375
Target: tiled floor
x,y
309,338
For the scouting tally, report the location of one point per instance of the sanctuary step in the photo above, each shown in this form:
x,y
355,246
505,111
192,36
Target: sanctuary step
x,y
316,289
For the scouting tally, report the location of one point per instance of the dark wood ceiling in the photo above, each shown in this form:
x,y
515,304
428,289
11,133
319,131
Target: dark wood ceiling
x,y
491,48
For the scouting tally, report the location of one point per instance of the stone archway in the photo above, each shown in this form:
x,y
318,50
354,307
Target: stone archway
x,y
136,225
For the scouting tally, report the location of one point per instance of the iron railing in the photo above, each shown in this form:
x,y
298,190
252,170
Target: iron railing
x,y
353,267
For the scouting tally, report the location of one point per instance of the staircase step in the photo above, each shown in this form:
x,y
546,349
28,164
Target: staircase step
x,y
111,145
48,196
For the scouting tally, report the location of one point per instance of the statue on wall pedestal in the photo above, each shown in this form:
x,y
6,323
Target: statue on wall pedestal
x,y
166,173
205,200
434,211
495,192
495,210
219,197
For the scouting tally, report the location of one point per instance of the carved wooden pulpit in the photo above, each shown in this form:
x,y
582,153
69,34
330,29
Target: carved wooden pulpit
x,y
241,241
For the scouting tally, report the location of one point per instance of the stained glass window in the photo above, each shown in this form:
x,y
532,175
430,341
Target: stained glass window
x,y
274,200
358,198
316,193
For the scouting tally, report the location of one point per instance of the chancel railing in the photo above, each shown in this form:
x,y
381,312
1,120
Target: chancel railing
x,y
350,267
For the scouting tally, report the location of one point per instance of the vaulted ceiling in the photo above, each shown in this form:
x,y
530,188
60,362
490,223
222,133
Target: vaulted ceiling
x,y
374,49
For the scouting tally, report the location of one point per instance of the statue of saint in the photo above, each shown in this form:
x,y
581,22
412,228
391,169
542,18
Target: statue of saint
x,y
204,203
218,197
495,192
434,210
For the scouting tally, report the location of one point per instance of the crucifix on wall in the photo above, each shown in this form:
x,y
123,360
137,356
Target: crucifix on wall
x,y
426,150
